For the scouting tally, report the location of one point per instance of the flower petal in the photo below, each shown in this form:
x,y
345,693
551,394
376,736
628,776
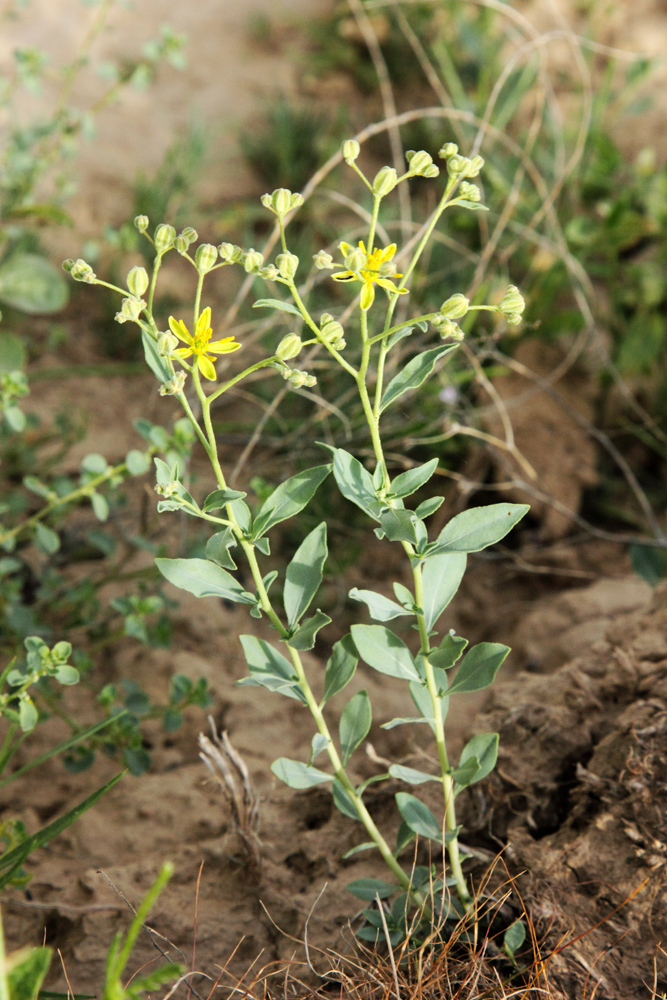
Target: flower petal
x,y
206,367
345,276
226,346
184,352
180,330
388,253
204,320
367,296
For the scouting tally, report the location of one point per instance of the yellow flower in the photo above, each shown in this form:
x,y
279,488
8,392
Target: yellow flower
x,y
201,343
374,271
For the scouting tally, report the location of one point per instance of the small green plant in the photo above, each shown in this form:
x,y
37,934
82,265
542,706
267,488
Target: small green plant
x,y
437,670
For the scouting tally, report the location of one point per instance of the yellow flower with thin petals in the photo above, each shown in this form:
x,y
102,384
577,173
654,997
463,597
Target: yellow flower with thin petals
x,y
373,272
201,344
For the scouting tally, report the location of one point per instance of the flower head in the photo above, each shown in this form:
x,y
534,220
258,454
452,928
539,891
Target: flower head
x,y
201,344
376,269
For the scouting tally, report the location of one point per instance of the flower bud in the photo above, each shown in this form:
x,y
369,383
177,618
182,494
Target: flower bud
x,y
141,223
449,149
331,330
447,328
164,238
512,305
130,309
231,253
190,234
181,245
205,257
469,191
269,273
350,150
252,261
137,281
421,163
174,387
355,260
296,201
166,344
279,202
167,489
387,269
288,347
323,261
81,271
67,265
385,181
287,265
455,307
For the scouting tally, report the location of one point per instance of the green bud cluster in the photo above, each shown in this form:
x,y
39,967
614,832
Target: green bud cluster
x,y
323,261
332,332
230,253
281,201
512,305
185,239
298,379
289,347
421,164
350,150
287,265
206,257
385,181
174,387
459,166
80,271
469,191
269,273
166,344
167,489
130,309
454,307
137,281
355,260
447,327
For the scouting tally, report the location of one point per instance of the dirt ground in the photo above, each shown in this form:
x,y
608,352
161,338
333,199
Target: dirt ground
x,y
581,707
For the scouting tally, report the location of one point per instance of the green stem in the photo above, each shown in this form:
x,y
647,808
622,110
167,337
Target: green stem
x,y
316,330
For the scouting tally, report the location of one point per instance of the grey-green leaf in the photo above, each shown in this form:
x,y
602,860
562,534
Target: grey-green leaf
x,y
442,575
304,573
368,888
466,772
479,667
484,748
287,307
340,668
479,527
289,498
414,374
297,774
384,651
220,498
409,482
155,361
411,775
218,546
418,816
32,284
305,636
343,802
355,723
203,578
354,481
381,608
448,652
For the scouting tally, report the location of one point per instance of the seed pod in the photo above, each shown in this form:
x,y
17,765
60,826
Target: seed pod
x,y
137,281
164,238
289,347
350,150
455,307
206,257
287,265
385,181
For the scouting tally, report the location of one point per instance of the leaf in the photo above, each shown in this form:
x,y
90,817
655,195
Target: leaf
x,y
155,361
12,353
304,574
479,527
305,636
242,514
428,507
474,206
47,539
297,774
100,506
402,525
137,462
287,307
218,546
422,699
479,667
368,888
203,578
484,748
442,576
269,668
32,284
418,817
381,608
359,848
465,773
409,482
318,745
343,802
514,937
649,563
220,498
384,651
289,498
448,652
414,374
340,668
354,481
411,775
355,723
404,722
25,971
